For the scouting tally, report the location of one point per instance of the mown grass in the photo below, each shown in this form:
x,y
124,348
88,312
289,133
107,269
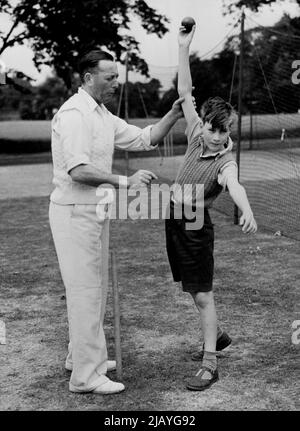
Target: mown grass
x,y
257,295
35,136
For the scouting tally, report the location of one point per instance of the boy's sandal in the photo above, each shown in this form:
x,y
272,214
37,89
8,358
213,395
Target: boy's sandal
x,y
198,383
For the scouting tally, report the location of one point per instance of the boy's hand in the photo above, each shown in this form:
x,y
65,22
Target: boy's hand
x,y
248,222
185,39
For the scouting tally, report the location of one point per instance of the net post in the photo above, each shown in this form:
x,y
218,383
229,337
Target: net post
x,y
240,101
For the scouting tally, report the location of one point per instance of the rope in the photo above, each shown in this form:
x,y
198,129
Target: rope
x,y
120,100
203,55
283,135
224,38
232,79
291,36
142,100
147,116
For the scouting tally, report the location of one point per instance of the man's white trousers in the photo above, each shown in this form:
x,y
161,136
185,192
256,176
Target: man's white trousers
x,y
81,238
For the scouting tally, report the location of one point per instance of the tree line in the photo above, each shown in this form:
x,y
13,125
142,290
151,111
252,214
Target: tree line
x,y
268,56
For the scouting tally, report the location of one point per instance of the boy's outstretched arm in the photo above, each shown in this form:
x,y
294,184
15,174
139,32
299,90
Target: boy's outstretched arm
x,y
239,196
185,85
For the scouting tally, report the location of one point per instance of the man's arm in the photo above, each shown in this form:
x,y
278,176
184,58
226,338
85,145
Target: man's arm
x,y
74,136
185,85
239,197
132,138
160,130
92,176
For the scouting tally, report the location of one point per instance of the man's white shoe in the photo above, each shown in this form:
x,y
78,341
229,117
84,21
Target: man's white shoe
x,y
109,387
111,366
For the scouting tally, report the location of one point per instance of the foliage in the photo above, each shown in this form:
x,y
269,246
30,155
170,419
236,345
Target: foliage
x,y
45,100
254,5
60,31
40,102
268,56
143,99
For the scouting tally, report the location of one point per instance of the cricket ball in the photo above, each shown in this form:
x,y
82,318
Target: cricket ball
x,y
188,23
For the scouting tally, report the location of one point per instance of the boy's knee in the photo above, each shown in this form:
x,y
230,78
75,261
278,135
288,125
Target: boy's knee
x,y
202,299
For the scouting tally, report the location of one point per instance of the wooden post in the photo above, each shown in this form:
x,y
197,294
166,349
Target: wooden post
x,y
126,111
116,307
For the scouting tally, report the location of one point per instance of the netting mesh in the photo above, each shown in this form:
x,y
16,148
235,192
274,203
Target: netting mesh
x,y
270,142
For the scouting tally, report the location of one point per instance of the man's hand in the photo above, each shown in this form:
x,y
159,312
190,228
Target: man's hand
x,y
176,109
248,222
185,39
141,178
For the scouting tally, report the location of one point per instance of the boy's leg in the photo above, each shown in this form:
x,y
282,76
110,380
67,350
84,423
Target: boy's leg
x,y
223,341
208,373
205,303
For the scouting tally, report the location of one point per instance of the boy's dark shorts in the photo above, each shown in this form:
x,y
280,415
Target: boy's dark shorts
x,y
190,252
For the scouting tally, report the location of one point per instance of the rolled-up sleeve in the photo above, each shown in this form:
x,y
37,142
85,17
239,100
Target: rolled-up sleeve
x,y
73,137
194,129
132,138
228,171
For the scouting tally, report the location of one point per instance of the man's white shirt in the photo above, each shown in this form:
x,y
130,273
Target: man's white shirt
x,y
84,132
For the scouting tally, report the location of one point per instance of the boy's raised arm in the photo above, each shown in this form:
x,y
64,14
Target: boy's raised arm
x,y
185,85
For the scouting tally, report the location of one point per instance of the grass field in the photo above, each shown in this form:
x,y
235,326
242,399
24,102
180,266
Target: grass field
x,y
34,136
271,179
257,295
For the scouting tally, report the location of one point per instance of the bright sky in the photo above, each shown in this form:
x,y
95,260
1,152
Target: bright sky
x,y
161,54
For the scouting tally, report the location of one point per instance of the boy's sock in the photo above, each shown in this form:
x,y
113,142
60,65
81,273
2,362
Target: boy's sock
x,y
219,332
210,360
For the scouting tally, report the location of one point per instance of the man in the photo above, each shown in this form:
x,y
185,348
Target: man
x,y
84,135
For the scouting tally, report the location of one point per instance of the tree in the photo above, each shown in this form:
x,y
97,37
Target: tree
x,y
268,55
19,88
210,78
143,99
60,31
45,99
255,5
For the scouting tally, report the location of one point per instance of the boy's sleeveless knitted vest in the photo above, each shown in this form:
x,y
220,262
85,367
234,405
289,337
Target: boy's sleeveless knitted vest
x,y
202,170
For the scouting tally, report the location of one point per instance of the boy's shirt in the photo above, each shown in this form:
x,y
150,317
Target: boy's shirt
x,y
210,171
193,133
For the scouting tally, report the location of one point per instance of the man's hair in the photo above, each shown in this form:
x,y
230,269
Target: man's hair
x,y
220,114
89,61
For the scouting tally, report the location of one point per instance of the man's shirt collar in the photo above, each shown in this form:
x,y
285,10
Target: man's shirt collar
x,y
91,102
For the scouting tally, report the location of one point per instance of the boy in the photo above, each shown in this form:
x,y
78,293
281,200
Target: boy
x,y
208,161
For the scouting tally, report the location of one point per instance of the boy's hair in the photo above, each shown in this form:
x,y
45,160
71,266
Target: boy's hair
x,y
220,114
89,61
